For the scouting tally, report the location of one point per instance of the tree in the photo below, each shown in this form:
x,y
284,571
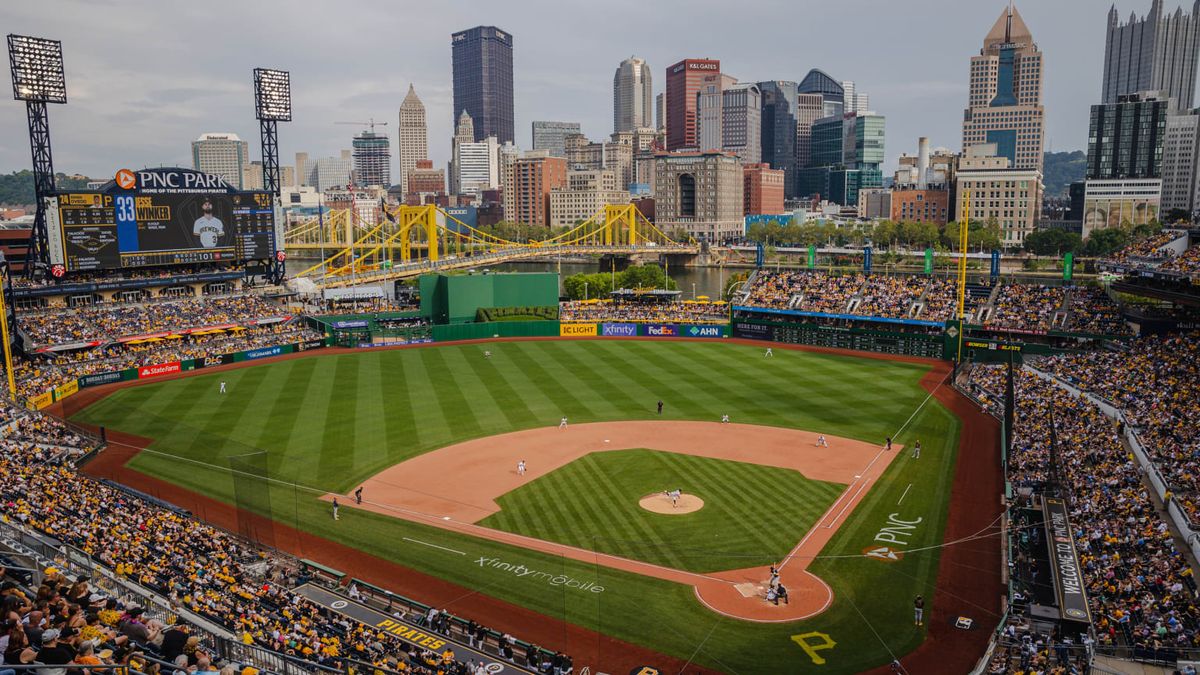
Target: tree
x,y
1053,242
1106,241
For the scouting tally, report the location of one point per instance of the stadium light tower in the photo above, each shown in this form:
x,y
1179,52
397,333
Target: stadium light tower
x,y
38,78
272,104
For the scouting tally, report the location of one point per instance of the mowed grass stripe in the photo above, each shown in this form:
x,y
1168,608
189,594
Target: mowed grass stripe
x,y
612,396
278,423
339,431
615,505
565,402
436,427
704,377
506,399
456,410
305,442
370,443
660,389
489,411
729,484
398,420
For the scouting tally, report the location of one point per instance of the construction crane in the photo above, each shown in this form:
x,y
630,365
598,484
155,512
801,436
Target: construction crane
x,y
372,124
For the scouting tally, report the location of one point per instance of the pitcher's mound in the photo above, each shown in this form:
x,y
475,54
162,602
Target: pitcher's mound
x,y
658,502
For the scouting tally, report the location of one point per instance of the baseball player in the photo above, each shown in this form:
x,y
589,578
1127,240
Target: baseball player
x,y
660,407
562,424
889,443
725,419
222,387
521,468
821,442
770,352
358,495
487,354
919,611
917,450
335,509
674,495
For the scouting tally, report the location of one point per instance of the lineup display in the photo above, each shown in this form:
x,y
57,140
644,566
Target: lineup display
x,y
160,217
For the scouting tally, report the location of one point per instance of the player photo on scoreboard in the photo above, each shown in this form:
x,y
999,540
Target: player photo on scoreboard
x,y
179,222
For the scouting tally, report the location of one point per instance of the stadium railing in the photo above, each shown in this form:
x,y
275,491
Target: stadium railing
x,y
379,595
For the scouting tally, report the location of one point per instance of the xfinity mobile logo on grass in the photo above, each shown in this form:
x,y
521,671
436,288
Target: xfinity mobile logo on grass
x,y
552,579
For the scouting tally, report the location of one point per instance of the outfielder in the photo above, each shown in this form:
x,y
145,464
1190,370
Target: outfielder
x,y
770,352
917,450
222,387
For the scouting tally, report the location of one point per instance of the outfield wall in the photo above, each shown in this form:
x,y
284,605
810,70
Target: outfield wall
x,y
151,371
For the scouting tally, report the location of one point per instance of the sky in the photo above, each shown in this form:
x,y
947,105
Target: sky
x,y
146,77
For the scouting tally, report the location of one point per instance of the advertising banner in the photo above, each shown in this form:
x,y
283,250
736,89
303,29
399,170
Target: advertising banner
x,y
812,256
40,401
706,331
264,353
160,369
308,344
661,330
65,390
753,331
1064,562
356,323
577,329
618,329
214,360
1068,266
100,378
928,261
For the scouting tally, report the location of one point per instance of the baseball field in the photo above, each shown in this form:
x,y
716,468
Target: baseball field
x,y
433,435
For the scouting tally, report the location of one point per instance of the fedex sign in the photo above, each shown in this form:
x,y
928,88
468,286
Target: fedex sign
x,y
662,331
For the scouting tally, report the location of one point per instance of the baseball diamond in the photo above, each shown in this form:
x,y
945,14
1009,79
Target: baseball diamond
x,y
432,434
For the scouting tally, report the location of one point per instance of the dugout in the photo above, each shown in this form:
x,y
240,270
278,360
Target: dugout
x,y
457,298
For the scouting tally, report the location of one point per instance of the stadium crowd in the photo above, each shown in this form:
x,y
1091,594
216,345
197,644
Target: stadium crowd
x,y
40,373
1155,382
1017,306
1188,263
1147,249
110,321
195,566
656,312
1140,586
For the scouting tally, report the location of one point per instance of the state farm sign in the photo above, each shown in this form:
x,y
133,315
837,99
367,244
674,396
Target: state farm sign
x,y
161,369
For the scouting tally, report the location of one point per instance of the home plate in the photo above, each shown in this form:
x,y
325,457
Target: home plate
x,y
748,589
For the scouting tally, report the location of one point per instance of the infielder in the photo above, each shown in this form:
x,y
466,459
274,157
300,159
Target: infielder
x,y
562,424
821,442
725,419
335,509
521,468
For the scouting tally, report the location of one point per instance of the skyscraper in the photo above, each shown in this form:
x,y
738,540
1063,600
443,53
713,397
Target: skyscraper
x,y
779,129
1125,139
1005,104
809,109
552,136
372,159
474,165
685,80
741,122
414,138
224,155
833,95
1154,53
483,80
632,95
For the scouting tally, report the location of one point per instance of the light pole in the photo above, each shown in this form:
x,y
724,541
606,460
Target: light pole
x,y
693,290
585,295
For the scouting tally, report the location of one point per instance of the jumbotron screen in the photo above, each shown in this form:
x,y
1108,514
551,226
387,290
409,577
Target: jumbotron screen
x,y
160,217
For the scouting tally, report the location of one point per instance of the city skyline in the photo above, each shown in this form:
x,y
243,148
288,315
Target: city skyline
x,y
179,95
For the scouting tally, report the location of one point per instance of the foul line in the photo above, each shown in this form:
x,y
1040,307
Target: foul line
x,y
425,543
905,494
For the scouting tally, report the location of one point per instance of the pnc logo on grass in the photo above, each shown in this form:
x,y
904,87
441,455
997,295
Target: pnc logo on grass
x,y
883,553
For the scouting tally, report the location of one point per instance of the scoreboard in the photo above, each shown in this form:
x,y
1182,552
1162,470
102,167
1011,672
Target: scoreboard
x,y
160,217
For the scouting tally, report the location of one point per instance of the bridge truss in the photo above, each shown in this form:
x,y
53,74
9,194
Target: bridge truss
x,y
412,240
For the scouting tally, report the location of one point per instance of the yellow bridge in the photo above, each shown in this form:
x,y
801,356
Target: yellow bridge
x,y
413,240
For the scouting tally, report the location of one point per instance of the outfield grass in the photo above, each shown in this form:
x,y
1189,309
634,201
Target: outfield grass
x,y
326,422
752,515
